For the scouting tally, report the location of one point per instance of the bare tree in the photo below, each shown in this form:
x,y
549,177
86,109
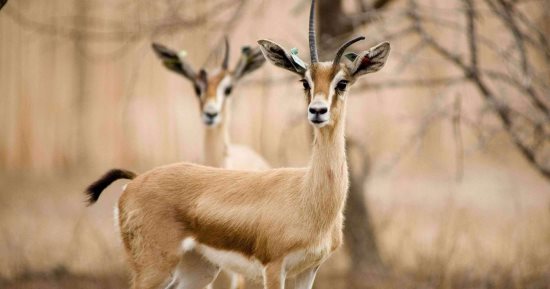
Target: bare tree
x,y
528,126
516,90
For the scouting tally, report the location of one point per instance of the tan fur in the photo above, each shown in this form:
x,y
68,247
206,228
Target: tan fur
x,y
218,152
265,215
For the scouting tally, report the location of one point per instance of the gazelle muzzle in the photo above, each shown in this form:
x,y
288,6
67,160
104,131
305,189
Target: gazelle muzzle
x,y
319,113
210,114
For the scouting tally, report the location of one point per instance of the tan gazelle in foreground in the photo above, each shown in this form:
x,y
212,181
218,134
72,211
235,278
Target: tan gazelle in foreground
x,y
214,92
184,221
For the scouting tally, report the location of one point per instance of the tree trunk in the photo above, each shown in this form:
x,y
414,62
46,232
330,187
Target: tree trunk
x,y
360,239
82,89
332,25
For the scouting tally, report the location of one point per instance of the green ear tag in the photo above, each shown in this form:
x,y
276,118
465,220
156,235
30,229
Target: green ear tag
x,y
351,56
182,54
246,50
297,60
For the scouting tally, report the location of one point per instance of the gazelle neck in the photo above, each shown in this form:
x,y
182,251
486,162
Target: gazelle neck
x,y
326,182
216,142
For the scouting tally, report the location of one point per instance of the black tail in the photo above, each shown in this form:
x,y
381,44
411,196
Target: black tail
x,y
94,190
2,3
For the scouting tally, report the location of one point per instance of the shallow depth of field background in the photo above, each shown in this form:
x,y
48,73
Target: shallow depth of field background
x,y
82,92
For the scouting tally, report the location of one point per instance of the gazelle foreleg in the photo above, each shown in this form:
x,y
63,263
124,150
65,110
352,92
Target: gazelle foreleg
x,y
274,275
305,279
237,281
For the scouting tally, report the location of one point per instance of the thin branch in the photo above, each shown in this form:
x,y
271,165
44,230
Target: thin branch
x,y
471,72
457,133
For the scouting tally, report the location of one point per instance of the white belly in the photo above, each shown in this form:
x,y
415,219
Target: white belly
x,y
252,268
232,261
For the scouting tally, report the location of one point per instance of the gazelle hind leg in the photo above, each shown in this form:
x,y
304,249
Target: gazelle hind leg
x,y
193,272
152,278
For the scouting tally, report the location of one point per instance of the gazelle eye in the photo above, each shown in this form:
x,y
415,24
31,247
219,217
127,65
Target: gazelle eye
x,y
306,84
342,85
228,91
197,90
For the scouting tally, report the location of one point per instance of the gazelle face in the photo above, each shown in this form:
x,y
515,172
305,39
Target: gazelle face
x,y
213,92
325,86
326,83
213,89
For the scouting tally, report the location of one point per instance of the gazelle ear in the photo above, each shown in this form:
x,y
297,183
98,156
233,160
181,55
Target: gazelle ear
x,y
174,62
279,57
251,59
369,61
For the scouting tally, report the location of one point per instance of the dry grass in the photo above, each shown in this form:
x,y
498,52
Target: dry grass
x,y
45,226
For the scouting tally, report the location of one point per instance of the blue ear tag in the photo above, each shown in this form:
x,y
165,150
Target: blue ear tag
x,y
297,60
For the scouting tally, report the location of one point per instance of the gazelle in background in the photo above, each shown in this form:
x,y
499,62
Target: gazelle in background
x,y
193,220
214,92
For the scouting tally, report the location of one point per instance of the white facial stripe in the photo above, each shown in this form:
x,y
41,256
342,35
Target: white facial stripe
x,y
220,92
310,81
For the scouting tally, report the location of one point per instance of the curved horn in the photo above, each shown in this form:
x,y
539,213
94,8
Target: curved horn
x,y
343,48
225,63
312,35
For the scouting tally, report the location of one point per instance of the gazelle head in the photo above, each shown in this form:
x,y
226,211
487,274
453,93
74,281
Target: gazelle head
x,y
326,83
212,88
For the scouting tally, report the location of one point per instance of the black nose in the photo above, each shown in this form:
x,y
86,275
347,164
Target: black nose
x,y
318,110
211,114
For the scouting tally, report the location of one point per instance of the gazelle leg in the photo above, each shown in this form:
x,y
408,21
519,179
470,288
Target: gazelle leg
x,y
305,279
152,278
193,272
274,275
237,281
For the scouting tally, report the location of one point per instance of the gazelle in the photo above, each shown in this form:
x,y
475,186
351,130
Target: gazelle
x,y
193,220
214,92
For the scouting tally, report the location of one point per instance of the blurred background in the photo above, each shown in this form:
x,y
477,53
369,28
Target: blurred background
x,y
449,143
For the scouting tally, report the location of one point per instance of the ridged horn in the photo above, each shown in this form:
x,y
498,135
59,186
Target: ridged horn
x,y
312,35
343,48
